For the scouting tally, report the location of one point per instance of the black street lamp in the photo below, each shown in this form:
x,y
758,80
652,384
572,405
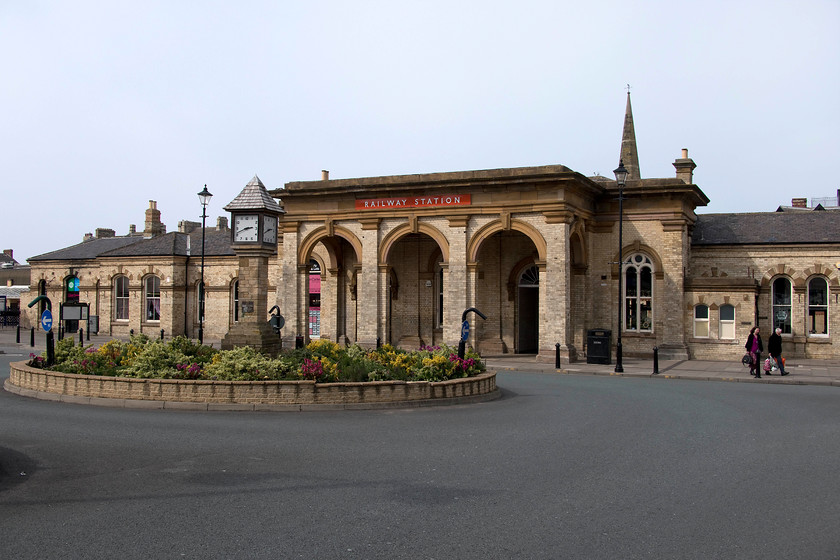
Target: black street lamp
x,y
621,179
204,196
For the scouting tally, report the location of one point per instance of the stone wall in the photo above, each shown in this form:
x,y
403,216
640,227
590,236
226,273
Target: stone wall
x,y
42,383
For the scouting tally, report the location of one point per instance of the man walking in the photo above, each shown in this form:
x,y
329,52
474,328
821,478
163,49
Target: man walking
x,y
774,348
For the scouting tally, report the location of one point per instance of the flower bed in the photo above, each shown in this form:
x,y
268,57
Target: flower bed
x,y
170,374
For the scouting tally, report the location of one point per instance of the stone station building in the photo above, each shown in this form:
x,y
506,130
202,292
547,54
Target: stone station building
x,y
398,260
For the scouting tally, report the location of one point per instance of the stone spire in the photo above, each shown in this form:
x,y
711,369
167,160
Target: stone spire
x,y
629,153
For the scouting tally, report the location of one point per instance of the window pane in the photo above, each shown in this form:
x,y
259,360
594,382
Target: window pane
x,y
645,315
701,329
781,292
727,313
630,314
727,329
630,288
817,292
701,312
646,283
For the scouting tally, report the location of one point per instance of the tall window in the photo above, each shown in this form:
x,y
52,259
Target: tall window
x,y
236,301
727,321
638,293
701,321
121,298
781,305
818,306
151,295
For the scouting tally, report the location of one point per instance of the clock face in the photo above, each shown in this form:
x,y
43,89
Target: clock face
x,y
245,228
269,229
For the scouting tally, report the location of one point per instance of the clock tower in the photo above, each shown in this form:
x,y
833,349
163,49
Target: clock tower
x,y
254,219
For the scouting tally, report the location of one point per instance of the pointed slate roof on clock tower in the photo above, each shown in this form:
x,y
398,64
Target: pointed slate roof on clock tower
x,y
254,197
629,153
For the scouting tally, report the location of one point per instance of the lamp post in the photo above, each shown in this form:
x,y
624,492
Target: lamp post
x,y
204,196
621,179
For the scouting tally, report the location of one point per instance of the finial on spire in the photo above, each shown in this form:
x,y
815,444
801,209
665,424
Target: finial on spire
x,y
628,89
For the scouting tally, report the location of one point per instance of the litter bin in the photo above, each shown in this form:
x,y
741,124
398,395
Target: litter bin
x,y
598,343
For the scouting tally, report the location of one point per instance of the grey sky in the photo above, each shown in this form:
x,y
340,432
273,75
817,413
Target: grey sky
x,y
107,105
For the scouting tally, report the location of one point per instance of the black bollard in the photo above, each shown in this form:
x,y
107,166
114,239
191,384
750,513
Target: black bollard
x,y
161,334
81,337
557,355
60,332
131,332
32,336
378,343
655,360
17,335
299,341
87,335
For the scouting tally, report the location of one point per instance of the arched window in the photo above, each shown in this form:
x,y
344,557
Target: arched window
x,y
121,298
726,326
781,304
151,298
701,321
818,307
638,293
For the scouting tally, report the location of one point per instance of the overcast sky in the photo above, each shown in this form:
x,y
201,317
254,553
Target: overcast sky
x,y
107,105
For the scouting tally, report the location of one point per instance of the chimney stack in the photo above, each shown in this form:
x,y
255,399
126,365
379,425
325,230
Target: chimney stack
x,y
153,225
11,254
325,175
685,167
222,224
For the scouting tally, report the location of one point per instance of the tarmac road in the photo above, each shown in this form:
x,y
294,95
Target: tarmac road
x,y
562,466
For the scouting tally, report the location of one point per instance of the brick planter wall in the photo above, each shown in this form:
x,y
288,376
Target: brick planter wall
x,y
243,395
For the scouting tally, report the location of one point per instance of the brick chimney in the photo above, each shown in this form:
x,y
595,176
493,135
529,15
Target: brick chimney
x,y
222,224
685,167
799,202
153,225
105,232
11,254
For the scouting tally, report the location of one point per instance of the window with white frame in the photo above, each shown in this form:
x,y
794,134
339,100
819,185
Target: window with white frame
x,y
151,298
782,305
726,324
701,321
638,293
818,306
121,298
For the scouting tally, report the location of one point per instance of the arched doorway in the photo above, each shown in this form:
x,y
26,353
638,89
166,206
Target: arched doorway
x,y
528,311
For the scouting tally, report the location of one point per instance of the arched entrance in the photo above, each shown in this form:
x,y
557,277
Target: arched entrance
x,y
528,311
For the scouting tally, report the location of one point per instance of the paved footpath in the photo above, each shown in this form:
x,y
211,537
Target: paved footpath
x,y
801,371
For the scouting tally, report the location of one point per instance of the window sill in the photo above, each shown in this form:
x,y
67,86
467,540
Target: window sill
x,y
710,340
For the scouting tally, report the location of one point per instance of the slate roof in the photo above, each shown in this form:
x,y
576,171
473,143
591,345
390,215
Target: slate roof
x,y
88,249
217,243
254,197
762,228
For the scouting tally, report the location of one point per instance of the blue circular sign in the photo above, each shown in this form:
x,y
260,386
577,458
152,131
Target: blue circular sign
x,y
465,330
46,320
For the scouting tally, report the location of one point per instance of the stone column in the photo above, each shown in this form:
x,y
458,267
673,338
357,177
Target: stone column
x,y
370,289
287,284
672,320
555,283
455,278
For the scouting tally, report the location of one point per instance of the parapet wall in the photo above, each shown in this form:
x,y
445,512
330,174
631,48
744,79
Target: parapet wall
x,y
242,395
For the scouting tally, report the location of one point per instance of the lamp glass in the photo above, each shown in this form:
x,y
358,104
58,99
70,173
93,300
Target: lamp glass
x,y
205,196
621,174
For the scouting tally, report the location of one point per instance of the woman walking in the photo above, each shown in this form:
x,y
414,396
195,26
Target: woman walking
x,y
755,348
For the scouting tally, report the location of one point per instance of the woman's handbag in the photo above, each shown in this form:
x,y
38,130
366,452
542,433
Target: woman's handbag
x,y
747,360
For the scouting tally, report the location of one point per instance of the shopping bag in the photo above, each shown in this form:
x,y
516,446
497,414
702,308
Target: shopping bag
x,y
767,364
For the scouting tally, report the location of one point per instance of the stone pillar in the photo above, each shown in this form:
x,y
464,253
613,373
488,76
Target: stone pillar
x,y
287,284
672,320
370,290
455,293
253,328
555,283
